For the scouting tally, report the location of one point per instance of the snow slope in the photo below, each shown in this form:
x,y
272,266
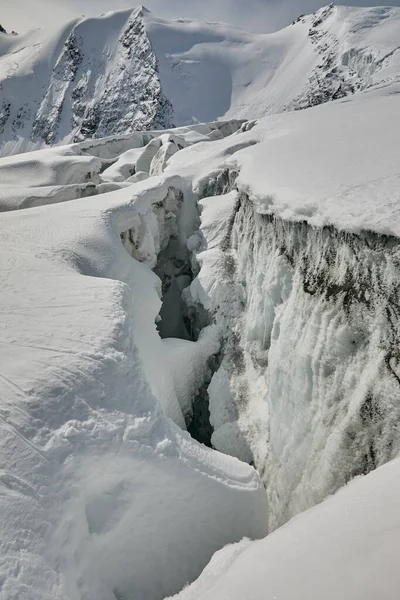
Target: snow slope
x,y
130,70
90,78
227,72
347,547
102,495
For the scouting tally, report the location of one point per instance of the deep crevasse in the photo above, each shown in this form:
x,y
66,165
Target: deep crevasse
x,y
308,384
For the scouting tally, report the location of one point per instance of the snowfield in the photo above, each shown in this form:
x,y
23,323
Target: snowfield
x,y
235,279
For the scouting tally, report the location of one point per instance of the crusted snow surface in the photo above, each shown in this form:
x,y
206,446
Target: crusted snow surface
x,y
130,70
103,496
347,547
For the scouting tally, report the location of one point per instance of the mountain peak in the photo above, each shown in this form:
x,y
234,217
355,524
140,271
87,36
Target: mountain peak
x,y
157,74
143,10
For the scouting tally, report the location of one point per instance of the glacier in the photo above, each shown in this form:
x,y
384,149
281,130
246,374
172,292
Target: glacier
x,y
99,485
232,282
299,270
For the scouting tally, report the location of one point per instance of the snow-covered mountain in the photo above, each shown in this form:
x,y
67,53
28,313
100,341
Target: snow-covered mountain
x,y
92,78
130,70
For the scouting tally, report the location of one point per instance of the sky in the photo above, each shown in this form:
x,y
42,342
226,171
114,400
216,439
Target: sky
x,y
254,15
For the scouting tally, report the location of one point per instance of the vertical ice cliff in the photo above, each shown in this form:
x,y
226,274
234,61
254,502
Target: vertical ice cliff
x,y
297,261
309,380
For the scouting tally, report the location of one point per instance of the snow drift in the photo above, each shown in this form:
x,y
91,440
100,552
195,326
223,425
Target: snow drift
x,y
344,548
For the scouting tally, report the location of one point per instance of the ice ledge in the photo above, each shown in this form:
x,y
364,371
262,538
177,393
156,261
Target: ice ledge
x,y
321,166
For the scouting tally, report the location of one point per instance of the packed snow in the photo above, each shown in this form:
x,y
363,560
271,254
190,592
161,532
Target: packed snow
x,y
236,278
347,547
335,164
103,495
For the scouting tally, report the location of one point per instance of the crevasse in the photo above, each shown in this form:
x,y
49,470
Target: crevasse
x,y
307,388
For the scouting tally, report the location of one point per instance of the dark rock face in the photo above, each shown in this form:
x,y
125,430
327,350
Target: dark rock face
x,y
95,96
336,75
49,115
134,97
5,110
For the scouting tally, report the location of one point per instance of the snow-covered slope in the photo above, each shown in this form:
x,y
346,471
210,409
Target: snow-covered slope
x,y
346,547
130,70
91,78
324,56
102,495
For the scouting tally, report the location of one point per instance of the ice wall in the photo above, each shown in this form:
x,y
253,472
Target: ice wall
x,y
308,385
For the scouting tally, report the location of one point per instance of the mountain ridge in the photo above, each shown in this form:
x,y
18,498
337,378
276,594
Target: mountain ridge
x,y
129,70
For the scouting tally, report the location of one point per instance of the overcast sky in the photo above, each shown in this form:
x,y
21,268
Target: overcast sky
x,y
256,15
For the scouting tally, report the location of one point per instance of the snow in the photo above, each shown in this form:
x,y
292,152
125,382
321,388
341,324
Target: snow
x,y
344,548
94,167
335,164
62,166
277,244
101,492
129,70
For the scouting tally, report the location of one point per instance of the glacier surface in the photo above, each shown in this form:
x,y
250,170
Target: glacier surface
x,y
236,278
102,494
